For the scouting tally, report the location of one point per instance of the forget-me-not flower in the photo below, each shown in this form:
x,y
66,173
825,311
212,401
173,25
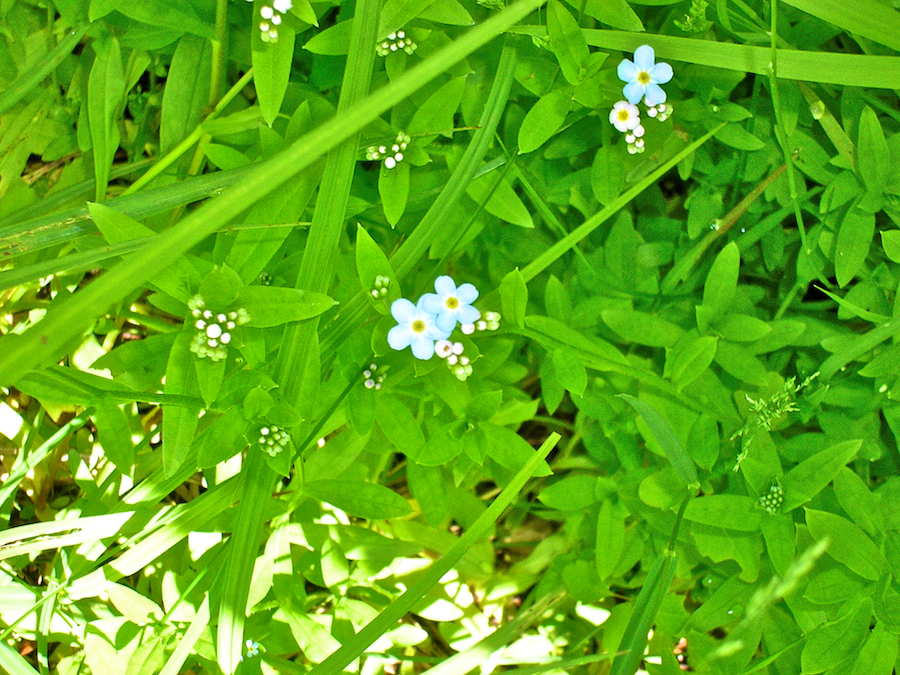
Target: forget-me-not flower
x,y
416,327
451,304
624,116
643,77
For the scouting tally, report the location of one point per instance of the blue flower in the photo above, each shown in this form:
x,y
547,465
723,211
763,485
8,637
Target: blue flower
x,y
644,76
416,328
451,304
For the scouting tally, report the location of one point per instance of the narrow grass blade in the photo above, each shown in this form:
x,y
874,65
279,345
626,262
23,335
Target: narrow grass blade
x,y
856,70
556,251
186,645
866,18
69,318
634,641
43,67
256,491
396,610
665,436
12,663
56,534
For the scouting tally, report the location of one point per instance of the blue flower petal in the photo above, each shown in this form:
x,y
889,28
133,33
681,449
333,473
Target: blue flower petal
x,y
644,57
634,92
655,94
422,347
432,303
661,73
399,337
467,293
468,314
445,322
445,286
403,311
627,71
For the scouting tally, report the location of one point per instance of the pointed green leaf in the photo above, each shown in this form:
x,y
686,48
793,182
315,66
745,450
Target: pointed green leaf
x,y
544,120
567,42
852,246
271,306
810,476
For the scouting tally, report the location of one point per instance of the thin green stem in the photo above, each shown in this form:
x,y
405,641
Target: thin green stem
x,y
185,145
219,52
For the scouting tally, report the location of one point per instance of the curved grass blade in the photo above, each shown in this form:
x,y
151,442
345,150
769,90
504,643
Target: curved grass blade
x,y
64,322
388,618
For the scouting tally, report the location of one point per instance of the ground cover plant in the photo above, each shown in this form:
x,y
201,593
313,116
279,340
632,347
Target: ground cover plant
x,y
449,335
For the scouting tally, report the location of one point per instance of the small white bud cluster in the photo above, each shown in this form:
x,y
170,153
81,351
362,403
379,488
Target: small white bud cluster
x,y
380,289
452,351
635,140
213,329
264,278
273,440
373,380
271,18
488,321
772,500
661,112
395,41
392,154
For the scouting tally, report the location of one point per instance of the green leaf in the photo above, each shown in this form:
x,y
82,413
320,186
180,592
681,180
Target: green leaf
x,y
514,296
567,42
272,68
393,187
852,246
642,328
272,306
179,17
734,512
398,424
607,177
741,327
572,493
689,358
179,422
333,41
363,500
371,262
449,12
186,95
114,434
878,655
435,115
510,450
610,540
740,363
848,544
665,435
833,642
116,227
721,282
867,18
808,478
484,406
873,158
570,371
858,501
890,241
502,200
544,120
106,90
615,13
735,136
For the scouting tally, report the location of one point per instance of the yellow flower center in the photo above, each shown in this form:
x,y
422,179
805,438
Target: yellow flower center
x,y
452,303
624,115
643,77
418,326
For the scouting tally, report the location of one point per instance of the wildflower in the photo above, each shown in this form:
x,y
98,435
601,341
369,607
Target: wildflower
x,y
392,154
416,328
643,77
271,19
273,440
252,649
373,380
213,329
624,116
635,140
451,304
491,321
457,363
395,41
662,112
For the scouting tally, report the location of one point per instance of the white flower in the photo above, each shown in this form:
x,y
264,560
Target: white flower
x,y
283,6
643,77
624,116
451,304
415,328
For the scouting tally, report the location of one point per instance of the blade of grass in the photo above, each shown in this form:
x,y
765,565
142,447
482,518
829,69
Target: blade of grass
x,y
556,251
866,18
414,247
12,662
67,319
43,67
185,646
356,645
877,72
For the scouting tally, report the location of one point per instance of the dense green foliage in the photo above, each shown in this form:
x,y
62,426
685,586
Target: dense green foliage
x,y
675,417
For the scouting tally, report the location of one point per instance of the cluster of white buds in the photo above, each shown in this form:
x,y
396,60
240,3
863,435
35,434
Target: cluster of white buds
x,y
392,154
394,42
452,351
661,111
771,501
380,289
488,321
271,18
213,329
273,440
635,140
264,278
373,380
